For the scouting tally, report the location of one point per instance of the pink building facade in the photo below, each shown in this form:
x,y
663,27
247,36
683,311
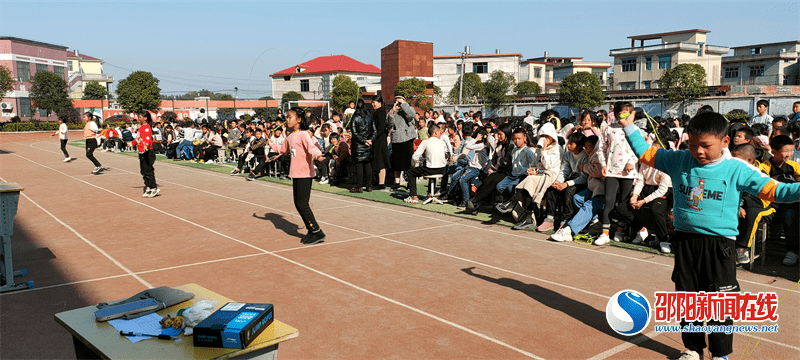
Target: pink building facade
x,y
25,58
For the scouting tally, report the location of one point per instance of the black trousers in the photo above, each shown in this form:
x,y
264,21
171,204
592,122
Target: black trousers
x,y
488,186
324,166
210,152
146,161
91,145
364,169
705,263
413,173
262,164
552,197
64,147
618,194
653,215
301,189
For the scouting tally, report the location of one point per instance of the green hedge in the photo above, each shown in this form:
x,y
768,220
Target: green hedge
x,y
37,126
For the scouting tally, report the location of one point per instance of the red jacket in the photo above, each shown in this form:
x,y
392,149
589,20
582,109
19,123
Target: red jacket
x,y
145,141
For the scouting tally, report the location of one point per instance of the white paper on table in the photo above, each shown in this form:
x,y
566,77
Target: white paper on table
x,y
148,324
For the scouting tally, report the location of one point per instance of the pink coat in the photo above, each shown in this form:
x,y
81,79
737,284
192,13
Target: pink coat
x,y
303,149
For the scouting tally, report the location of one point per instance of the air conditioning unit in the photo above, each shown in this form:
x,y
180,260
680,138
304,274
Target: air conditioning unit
x,y
7,106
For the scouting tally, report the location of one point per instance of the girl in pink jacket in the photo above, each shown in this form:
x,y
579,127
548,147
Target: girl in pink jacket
x,y
303,150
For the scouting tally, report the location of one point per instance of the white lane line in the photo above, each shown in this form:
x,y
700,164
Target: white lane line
x,y
354,286
625,346
392,209
101,251
206,262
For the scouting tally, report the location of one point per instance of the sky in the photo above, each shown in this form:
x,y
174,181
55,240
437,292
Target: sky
x,y
192,45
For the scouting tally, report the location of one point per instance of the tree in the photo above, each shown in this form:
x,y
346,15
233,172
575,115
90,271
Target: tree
x,y
683,83
72,114
472,89
49,92
414,91
438,96
6,80
291,96
581,90
264,112
527,88
344,91
139,91
92,90
496,89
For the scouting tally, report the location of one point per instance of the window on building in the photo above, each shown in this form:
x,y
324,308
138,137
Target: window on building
x,y
458,69
627,85
664,61
648,60
41,67
59,70
537,73
303,85
24,72
24,106
785,79
755,51
731,73
42,112
480,68
628,64
757,70
70,65
287,78
646,84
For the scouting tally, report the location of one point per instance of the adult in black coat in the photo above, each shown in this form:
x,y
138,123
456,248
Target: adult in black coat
x,y
380,147
363,127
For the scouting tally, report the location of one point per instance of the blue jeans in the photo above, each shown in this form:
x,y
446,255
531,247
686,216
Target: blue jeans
x,y
788,218
508,183
588,207
455,172
465,179
182,150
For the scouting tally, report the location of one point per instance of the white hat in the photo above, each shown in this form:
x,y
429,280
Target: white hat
x,y
548,129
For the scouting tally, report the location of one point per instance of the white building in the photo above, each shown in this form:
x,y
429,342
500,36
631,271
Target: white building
x,y
549,71
763,64
447,68
314,78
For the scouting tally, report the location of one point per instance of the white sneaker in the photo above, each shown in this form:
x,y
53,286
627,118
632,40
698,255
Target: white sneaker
x,y
323,181
602,240
97,170
146,193
689,355
209,161
154,192
619,236
640,236
67,159
665,247
563,234
790,259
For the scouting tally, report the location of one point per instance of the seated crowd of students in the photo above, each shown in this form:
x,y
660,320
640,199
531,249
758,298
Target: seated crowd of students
x,y
548,173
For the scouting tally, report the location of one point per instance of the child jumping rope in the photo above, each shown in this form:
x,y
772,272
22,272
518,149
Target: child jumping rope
x,y
303,149
63,134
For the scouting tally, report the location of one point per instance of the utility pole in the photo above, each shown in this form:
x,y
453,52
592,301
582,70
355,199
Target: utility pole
x,y
461,81
236,91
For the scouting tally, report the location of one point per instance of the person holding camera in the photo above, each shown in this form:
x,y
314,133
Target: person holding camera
x,y
402,134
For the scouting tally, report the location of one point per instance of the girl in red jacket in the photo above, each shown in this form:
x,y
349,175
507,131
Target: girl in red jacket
x,y
147,156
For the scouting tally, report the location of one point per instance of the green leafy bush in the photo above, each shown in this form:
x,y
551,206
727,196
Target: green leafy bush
x,y
20,126
49,125
738,115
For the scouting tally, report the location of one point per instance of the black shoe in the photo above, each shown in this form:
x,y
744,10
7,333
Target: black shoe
x,y
526,222
367,189
472,207
517,212
395,186
462,206
742,256
505,207
356,190
379,187
306,238
314,237
251,177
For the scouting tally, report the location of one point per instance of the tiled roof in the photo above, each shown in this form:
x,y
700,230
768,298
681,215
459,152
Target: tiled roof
x,y
71,55
330,64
